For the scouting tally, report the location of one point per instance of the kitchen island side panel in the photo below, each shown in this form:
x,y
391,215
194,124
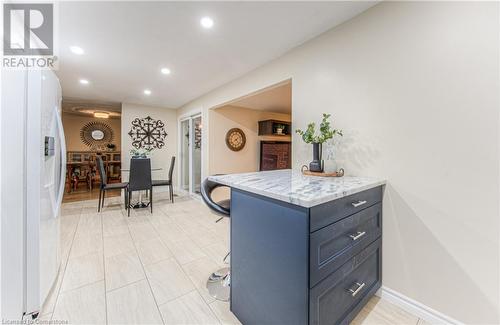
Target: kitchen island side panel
x,y
269,260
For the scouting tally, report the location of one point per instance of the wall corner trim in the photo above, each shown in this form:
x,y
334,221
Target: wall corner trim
x,y
414,307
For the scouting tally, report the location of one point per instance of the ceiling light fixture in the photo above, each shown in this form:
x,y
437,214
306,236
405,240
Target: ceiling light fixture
x,y
165,70
84,81
206,22
101,115
147,92
77,50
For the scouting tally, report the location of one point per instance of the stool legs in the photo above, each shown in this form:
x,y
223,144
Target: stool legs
x,y
219,283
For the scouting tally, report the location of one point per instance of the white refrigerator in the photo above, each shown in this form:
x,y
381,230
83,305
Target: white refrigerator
x,y
31,122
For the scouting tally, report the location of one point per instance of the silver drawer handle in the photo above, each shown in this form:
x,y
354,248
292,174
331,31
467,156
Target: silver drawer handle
x,y
355,292
357,204
358,235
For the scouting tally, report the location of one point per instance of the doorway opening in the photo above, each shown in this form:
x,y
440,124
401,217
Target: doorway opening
x,y
92,129
190,153
263,119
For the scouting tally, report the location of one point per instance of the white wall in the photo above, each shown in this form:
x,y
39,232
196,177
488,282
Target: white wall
x,y
222,160
414,86
160,158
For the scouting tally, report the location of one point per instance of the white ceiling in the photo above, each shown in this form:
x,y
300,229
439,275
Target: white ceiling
x,y
276,99
126,44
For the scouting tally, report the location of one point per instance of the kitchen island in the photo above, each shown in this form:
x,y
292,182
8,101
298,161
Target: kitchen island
x,y
304,249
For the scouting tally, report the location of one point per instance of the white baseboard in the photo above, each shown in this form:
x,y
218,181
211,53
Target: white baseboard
x,y
416,308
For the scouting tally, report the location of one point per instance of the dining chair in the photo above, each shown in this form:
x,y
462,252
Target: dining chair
x,y
104,186
167,182
140,179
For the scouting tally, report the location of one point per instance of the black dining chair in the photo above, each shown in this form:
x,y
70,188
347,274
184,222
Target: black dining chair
x,y
167,182
140,180
104,186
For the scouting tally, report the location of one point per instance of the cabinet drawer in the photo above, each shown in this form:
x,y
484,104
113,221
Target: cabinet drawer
x,y
334,298
333,245
327,213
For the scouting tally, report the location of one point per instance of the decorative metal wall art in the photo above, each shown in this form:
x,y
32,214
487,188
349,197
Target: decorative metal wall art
x,y
147,133
96,135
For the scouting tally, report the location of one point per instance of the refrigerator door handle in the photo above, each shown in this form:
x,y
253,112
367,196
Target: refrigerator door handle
x,y
62,183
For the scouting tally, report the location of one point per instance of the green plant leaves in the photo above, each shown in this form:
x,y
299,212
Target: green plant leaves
x,y
326,132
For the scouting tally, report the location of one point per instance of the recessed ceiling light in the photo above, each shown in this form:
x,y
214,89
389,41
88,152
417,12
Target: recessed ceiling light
x,y
206,22
165,70
77,50
84,81
147,92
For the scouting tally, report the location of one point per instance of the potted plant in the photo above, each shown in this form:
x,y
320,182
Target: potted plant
x,y
317,140
140,153
279,128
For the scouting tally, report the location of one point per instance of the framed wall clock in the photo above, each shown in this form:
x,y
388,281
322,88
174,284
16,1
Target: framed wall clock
x,y
235,139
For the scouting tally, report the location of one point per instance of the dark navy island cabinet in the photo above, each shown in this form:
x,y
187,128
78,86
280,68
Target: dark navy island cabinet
x,y
297,265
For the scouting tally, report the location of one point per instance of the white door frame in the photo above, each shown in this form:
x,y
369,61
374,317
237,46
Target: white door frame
x,y
187,117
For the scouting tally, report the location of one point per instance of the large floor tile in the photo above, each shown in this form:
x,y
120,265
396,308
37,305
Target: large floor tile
x,y
90,224
171,233
188,309
225,316
206,238
132,304
186,251
168,281
118,244
217,252
152,251
83,270
114,224
381,312
199,271
123,269
50,301
85,305
142,232
84,245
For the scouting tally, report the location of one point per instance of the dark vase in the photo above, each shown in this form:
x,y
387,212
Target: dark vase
x,y
317,164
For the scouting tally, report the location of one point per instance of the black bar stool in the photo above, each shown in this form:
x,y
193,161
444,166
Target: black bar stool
x,y
219,282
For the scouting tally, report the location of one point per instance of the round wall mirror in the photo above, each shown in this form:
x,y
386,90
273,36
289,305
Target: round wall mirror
x,y
97,135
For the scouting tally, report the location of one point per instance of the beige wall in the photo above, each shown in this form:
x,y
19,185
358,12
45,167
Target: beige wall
x,y
222,160
73,124
414,86
160,158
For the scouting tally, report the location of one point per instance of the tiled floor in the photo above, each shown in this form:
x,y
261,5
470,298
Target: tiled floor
x,y
152,268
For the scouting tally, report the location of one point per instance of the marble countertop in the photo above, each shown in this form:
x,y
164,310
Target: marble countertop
x,y
291,186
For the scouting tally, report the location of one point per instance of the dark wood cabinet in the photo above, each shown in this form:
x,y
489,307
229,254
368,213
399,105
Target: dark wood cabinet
x,y
272,127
